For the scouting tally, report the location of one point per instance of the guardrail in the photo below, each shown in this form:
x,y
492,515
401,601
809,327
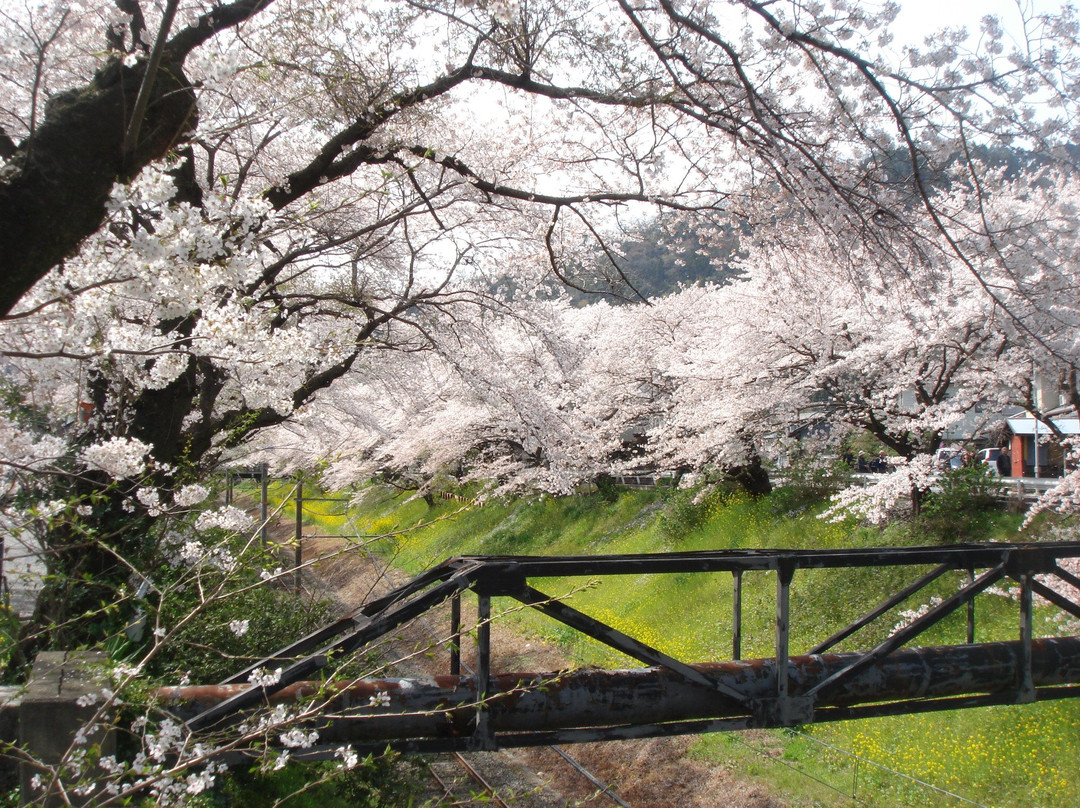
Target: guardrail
x,y
1026,489
1010,489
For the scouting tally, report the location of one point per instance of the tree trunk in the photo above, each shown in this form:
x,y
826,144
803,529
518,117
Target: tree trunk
x,y
916,500
54,189
752,477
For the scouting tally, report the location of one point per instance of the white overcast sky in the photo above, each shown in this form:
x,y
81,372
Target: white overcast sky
x,y
920,17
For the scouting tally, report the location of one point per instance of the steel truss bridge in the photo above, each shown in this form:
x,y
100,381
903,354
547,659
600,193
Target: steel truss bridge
x,y
485,709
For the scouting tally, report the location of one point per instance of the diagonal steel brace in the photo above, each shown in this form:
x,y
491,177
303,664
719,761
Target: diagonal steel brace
x,y
377,625
916,628
623,642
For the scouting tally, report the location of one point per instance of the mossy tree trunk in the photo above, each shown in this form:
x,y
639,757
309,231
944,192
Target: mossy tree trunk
x,y
54,188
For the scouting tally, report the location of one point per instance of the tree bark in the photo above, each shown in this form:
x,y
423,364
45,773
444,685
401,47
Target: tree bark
x,y
54,189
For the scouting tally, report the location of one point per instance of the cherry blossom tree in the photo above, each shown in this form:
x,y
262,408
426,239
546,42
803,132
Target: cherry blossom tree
x,y
905,362
499,399
711,375
215,213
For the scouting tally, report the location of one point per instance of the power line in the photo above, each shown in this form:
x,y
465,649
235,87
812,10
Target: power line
x,y
859,759
762,753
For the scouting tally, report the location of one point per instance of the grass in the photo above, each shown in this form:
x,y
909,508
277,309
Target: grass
x,y
1007,757
1002,756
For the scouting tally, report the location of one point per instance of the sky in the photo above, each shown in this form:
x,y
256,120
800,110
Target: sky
x,y
919,17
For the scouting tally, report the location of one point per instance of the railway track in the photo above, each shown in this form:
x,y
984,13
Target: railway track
x,y
499,778
457,778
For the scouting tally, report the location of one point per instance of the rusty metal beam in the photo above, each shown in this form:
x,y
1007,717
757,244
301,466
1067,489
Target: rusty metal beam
x,y
483,738
1026,686
783,625
441,711
455,634
1057,599
971,610
736,614
358,618
783,704
389,619
519,568
1067,577
1036,558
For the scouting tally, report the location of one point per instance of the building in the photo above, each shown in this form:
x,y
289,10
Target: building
x,y
1036,449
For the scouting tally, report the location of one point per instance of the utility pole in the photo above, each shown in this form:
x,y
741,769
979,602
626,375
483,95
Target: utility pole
x,y
264,505
1036,446
297,549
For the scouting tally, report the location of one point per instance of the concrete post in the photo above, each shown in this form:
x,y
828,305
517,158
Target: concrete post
x,y
50,717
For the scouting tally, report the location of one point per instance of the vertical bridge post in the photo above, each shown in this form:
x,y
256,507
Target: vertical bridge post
x,y
455,634
736,615
785,710
785,572
1026,684
971,609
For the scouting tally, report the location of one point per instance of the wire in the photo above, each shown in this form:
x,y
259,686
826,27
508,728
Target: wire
x,y
737,736
860,759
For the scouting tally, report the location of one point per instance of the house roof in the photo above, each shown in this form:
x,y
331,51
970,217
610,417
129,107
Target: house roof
x,y
1026,426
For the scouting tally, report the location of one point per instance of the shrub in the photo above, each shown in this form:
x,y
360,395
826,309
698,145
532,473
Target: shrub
x,y
208,650
376,782
959,507
807,482
688,511
245,620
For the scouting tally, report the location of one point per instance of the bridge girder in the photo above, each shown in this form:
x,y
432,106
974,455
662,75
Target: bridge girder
x,y
438,713
489,709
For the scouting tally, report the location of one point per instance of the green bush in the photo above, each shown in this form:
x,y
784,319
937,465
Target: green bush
x,y
386,781
688,511
808,482
960,507
684,513
207,650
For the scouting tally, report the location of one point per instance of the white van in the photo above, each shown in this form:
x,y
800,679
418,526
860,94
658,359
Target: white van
x,y
989,458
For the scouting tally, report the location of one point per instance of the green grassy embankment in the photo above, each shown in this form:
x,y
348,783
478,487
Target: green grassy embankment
x,y
1008,757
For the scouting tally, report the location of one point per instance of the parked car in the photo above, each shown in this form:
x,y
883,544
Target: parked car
x,y
949,457
988,457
